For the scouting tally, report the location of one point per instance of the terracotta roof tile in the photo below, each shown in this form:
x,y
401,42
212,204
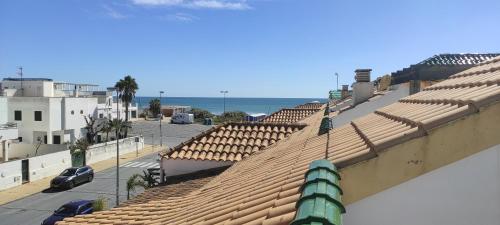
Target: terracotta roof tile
x,y
289,115
311,105
233,141
264,188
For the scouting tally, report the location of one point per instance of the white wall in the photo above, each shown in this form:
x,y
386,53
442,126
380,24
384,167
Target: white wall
x,y
56,116
22,150
362,91
172,167
48,165
462,193
31,88
10,174
4,118
107,150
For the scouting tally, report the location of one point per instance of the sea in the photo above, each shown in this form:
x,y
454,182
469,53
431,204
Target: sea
x,y
216,105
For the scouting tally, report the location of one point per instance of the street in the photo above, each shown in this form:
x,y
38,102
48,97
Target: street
x,y
35,208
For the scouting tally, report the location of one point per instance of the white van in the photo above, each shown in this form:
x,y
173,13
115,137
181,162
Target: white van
x,y
183,118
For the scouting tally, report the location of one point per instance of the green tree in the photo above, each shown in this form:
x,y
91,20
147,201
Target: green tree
x,y
155,106
134,181
200,114
107,128
119,126
80,147
235,116
126,89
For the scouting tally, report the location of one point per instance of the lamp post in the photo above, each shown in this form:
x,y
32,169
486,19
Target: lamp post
x,y
224,93
161,117
337,75
117,148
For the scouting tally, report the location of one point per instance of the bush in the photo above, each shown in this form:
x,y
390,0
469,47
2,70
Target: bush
x,y
235,116
200,114
101,203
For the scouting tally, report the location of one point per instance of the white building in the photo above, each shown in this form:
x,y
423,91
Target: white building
x,y
48,112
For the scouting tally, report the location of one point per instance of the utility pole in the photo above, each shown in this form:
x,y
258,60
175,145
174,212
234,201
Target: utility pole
x,y
161,118
117,150
224,92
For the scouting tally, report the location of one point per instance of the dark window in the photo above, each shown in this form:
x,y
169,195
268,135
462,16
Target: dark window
x,y
85,207
101,115
45,139
18,115
38,115
81,111
56,139
72,112
20,139
134,114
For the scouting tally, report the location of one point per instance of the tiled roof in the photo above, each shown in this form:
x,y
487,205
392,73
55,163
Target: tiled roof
x,y
233,141
289,115
439,67
458,59
264,188
311,105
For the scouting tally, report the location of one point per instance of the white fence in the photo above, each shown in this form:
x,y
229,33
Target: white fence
x,y
107,150
51,164
10,174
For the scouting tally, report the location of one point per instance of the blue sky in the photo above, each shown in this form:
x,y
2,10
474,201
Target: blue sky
x,y
252,48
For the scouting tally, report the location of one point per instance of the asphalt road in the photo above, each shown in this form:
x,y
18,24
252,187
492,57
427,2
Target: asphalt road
x,y
35,208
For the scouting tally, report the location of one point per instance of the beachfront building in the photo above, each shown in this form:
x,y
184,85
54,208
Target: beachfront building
x,y
427,158
48,112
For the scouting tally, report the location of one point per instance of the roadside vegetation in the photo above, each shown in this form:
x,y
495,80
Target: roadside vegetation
x,y
201,114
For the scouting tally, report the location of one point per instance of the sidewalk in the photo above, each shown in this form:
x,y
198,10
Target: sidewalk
x,y
30,188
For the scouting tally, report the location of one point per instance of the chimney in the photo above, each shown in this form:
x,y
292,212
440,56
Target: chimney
x,y
363,89
345,91
362,75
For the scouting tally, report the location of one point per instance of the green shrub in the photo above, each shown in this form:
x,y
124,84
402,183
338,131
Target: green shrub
x,y
235,116
100,204
201,114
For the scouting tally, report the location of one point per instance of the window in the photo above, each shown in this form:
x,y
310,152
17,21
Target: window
x,y
134,114
72,112
56,139
81,111
38,115
101,115
18,115
20,139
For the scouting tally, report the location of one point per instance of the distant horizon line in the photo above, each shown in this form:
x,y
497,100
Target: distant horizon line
x,y
231,97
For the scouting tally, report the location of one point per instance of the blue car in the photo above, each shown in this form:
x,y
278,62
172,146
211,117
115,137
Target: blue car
x,y
70,209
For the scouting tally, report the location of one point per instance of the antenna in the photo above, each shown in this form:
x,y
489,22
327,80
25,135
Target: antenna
x,y
20,73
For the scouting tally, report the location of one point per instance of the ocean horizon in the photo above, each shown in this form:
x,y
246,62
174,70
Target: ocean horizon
x,y
215,105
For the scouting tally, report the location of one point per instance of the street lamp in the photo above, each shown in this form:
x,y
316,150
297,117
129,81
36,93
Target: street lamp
x,y
224,92
337,75
161,117
117,147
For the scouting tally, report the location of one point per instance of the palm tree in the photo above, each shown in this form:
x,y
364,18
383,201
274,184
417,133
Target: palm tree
x,y
119,126
133,182
106,128
126,89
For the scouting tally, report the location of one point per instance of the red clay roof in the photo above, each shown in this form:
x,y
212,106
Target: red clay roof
x,y
264,188
233,141
289,115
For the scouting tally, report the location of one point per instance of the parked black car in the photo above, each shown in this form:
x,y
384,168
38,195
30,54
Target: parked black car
x,y
73,176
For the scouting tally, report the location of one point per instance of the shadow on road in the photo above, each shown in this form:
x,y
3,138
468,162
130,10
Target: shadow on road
x,y
53,190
